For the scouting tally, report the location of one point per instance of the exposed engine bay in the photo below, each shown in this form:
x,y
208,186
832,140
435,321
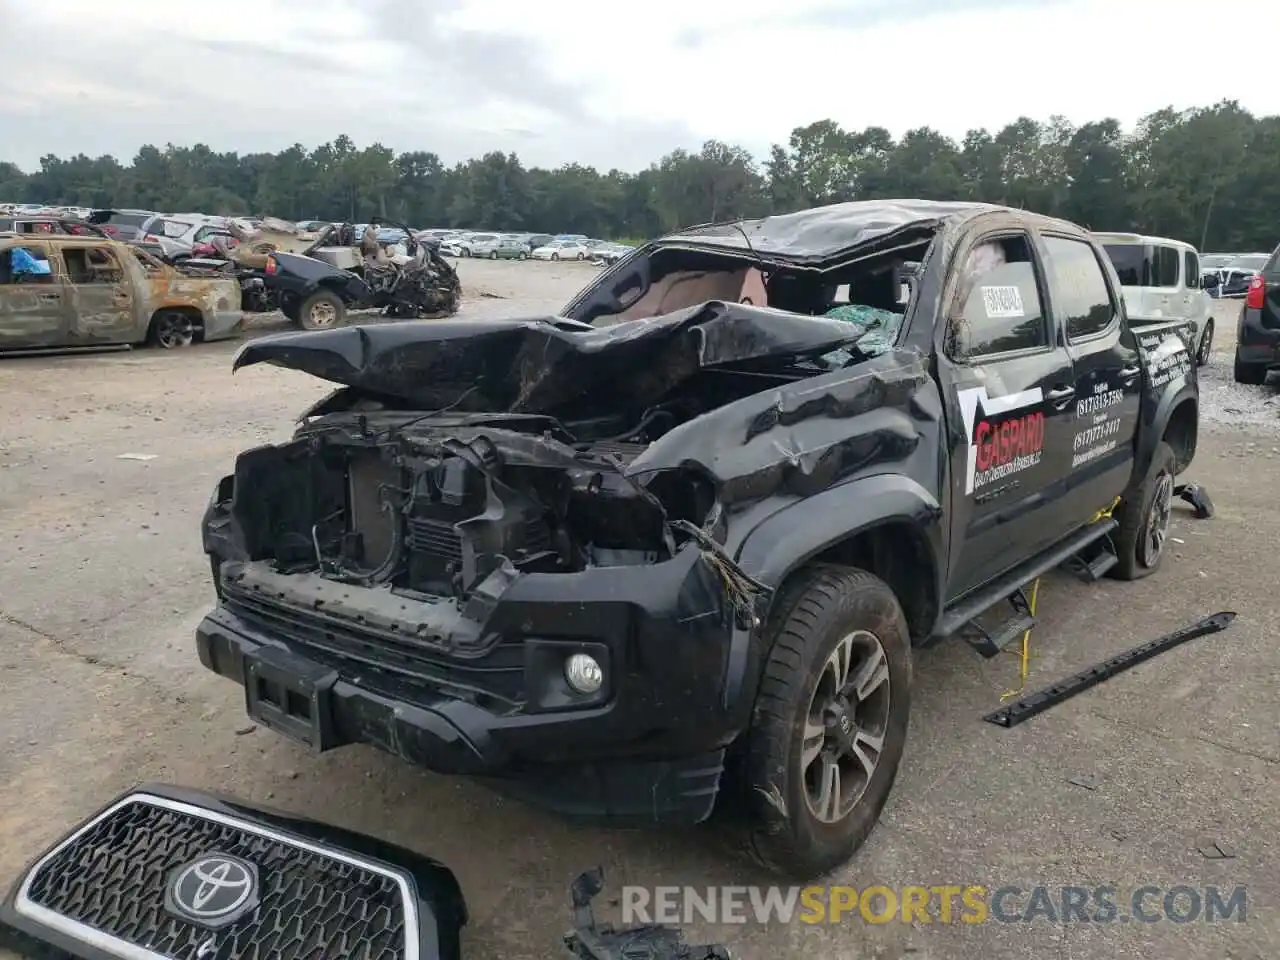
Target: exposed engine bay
x,y
399,507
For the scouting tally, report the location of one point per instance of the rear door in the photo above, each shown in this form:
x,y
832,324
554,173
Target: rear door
x,y
1010,392
1166,283
34,311
103,298
1108,377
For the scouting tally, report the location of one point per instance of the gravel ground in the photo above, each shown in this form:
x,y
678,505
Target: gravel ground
x,y
1223,401
104,583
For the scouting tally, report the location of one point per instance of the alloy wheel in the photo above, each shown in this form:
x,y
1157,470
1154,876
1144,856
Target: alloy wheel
x,y
174,330
845,726
1156,529
1206,345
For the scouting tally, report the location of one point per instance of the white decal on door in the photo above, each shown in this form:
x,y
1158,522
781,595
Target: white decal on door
x,y
1000,445
1003,303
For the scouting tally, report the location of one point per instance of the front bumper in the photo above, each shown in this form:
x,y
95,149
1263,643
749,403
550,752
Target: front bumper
x,y
109,888
650,747
1257,344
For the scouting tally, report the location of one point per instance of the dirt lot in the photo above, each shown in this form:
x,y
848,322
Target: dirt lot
x,y
104,582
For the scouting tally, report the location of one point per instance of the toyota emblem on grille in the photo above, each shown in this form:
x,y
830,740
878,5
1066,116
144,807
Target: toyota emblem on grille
x,y
213,890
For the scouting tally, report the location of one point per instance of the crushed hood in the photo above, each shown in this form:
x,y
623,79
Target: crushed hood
x,y
538,365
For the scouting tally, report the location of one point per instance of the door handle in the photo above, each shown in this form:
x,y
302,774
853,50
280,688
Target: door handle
x,y
1060,393
1130,372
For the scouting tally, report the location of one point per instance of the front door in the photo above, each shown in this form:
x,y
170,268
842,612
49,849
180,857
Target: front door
x,y
1108,376
102,297
34,311
1010,392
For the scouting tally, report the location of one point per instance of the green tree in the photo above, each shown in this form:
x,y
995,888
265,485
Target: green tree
x,y
1206,175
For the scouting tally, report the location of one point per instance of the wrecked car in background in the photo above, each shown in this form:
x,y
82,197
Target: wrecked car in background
x,y
678,544
64,291
315,277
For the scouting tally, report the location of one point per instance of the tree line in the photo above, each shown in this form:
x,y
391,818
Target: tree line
x,y
1206,175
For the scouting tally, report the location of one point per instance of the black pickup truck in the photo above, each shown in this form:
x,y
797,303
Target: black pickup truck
x,y
679,544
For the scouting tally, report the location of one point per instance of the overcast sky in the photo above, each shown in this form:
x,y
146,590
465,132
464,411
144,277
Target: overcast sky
x,y
604,83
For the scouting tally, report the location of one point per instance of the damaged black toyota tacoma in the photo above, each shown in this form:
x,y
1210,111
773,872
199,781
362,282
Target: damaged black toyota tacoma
x,y
677,544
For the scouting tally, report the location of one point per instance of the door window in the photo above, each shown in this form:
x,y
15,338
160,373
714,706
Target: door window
x,y
1081,299
998,308
1164,269
26,264
92,265
1191,269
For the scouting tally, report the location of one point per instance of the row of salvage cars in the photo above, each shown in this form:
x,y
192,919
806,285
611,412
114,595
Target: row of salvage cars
x,y
70,286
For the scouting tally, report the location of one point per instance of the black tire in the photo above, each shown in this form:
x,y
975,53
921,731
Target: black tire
x,y
582,256
814,614
1204,352
171,330
323,310
1145,515
555,256
1254,374
464,252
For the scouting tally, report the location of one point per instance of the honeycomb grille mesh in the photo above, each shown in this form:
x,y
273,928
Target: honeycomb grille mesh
x,y
113,877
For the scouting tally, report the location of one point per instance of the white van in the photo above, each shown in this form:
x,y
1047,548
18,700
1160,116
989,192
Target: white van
x,y
1161,281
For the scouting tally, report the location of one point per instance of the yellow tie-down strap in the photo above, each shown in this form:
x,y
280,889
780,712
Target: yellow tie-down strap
x,y
1106,513
1025,667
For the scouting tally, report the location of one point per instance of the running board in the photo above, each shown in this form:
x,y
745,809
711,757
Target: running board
x,y
1042,700
969,609
1093,562
26,352
991,643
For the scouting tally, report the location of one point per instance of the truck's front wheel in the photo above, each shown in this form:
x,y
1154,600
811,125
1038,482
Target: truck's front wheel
x,y
830,721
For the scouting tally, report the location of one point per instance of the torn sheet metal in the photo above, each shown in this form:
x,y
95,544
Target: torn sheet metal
x,y
539,365
824,232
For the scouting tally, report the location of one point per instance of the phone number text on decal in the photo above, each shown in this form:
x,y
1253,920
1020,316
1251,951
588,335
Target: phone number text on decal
x,y
1102,431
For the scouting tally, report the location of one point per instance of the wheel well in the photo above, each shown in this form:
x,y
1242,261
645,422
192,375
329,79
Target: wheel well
x,y
197,318
899,554
1181,433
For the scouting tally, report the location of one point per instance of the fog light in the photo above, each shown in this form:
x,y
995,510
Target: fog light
x,y
583,673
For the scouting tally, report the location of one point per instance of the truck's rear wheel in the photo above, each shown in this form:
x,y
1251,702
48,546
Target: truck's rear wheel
x,y
171,329
321,311
830,721
1144,519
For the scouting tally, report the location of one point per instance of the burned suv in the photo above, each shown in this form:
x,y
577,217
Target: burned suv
x,y
681,541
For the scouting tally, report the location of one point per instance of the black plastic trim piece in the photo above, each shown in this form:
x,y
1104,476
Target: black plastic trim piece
x,y
1042,700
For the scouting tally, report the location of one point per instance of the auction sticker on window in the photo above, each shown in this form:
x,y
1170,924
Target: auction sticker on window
x,y
1003,302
